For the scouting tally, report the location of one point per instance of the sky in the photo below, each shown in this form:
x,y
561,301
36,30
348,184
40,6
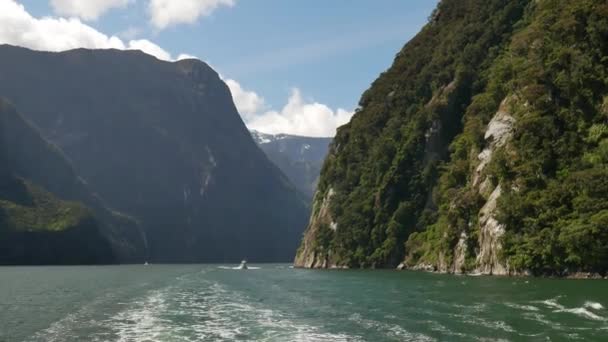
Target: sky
x,y
296,67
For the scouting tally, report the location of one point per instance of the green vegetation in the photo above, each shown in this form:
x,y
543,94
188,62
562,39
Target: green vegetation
x,y
37,226
396,181
27,208
385,161
554,169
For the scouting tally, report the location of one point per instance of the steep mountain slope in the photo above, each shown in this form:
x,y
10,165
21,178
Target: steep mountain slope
x,y
162,142
300,158
39,228
483,147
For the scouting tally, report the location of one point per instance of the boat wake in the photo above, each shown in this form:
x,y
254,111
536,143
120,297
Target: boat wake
x,y
238,268
202,310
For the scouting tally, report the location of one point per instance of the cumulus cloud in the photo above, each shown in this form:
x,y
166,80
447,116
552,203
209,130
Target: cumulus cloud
x,y
301,118
298,116
247,102
186,56
86,9
164,13
150,48
59,34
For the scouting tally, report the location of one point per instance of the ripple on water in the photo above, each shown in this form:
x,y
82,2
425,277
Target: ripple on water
x,y
389,330
583,311
522,307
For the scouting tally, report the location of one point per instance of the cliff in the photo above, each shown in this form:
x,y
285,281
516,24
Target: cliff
x,y
482,149
161,142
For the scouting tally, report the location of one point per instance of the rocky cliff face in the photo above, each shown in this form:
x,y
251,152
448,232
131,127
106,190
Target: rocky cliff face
x,y
314,251
475,152
162,142
489,259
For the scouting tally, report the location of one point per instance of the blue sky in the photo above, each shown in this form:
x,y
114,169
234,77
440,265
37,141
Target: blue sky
x,y
326,53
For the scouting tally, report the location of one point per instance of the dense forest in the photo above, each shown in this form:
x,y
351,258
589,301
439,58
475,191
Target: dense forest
x,y
484,148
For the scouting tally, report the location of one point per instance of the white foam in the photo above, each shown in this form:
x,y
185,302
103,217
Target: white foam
x,y
540,318
522,307
238,268
479,321
593,305
201,310
582,312
552,303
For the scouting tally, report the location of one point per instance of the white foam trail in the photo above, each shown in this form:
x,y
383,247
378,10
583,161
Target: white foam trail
x,y
552,303
593,305
238,268
540,318
201,310
522,307
582,312
391,330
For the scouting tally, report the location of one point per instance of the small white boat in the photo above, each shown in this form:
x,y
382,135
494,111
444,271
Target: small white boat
x,y
243,265
146,263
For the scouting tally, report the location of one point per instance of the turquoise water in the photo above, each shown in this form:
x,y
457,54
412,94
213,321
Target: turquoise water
x,y
277,303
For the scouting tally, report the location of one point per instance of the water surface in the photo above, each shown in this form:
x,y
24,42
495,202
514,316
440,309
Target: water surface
x,y
276,303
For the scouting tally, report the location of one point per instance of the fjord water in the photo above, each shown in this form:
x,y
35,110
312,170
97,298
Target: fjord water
x,y
277,303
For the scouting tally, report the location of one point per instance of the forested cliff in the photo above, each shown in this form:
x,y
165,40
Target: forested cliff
x,y
483,148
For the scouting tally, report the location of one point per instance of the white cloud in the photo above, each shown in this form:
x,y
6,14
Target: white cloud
x,y
247,102
58,34
150,48
186,56
298,117
86,9
164,13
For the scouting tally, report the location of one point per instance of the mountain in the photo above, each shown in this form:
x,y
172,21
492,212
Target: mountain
x,y
483,148
43,217
163,143
300,158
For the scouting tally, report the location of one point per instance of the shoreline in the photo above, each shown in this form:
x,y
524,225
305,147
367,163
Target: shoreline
x,y
571,276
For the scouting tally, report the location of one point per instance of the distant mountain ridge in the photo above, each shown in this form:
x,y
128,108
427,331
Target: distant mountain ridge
x,y
163,143
299,157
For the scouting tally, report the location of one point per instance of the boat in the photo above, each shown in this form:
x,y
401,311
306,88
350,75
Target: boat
x,y
146,263
243,265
